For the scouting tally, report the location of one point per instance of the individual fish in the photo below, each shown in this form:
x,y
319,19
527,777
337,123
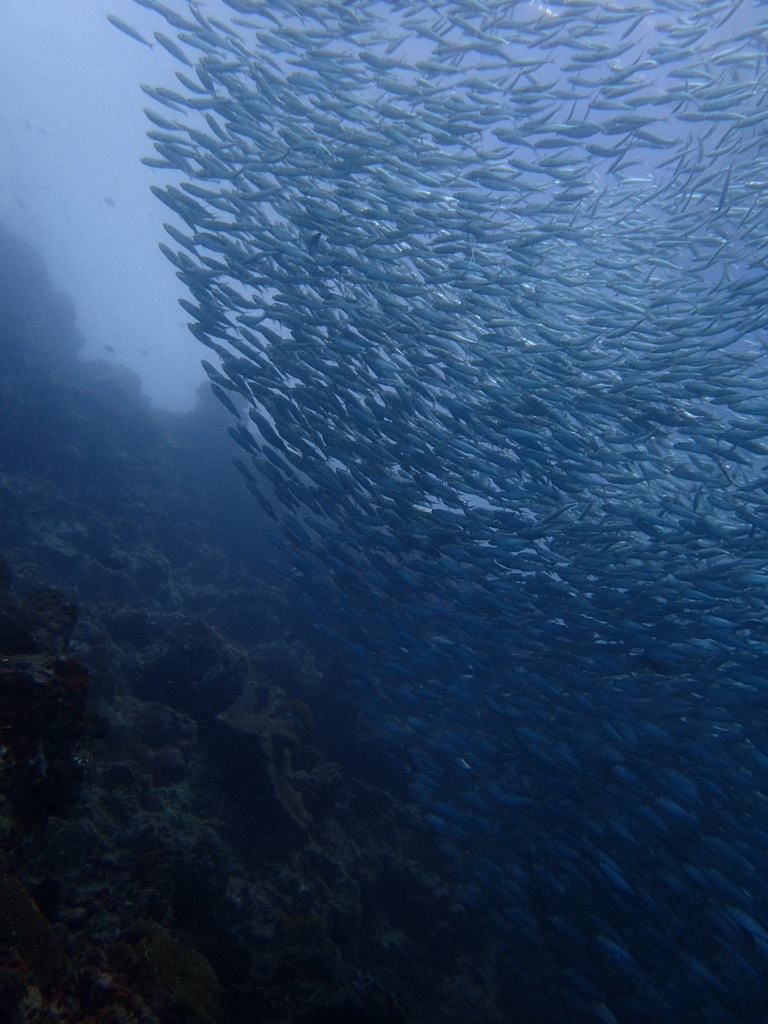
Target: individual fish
x,y
173,48
128,30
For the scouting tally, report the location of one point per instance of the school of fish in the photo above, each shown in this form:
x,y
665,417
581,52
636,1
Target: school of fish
x,y
484,286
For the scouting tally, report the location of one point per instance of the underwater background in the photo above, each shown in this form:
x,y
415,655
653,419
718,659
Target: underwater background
x,y
418,673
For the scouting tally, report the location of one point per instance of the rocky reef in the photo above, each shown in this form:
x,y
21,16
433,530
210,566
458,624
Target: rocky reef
x,y
197,823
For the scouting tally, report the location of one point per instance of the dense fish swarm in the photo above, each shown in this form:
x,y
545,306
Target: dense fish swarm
x,y
484,284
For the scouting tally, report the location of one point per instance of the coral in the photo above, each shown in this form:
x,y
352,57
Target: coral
x,y
265,715
185,974
302,711
290,798
276,733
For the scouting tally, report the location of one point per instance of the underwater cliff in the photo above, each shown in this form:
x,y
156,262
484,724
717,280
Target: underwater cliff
x,y
198,825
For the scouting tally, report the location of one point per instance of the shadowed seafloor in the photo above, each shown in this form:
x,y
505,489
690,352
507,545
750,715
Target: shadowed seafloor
x,y
197,824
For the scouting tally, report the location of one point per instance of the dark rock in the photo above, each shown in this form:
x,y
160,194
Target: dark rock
x,y
45,727
193,670
15,627
52,618
24,929
5,575
158,726
168,766
30,308
117,776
